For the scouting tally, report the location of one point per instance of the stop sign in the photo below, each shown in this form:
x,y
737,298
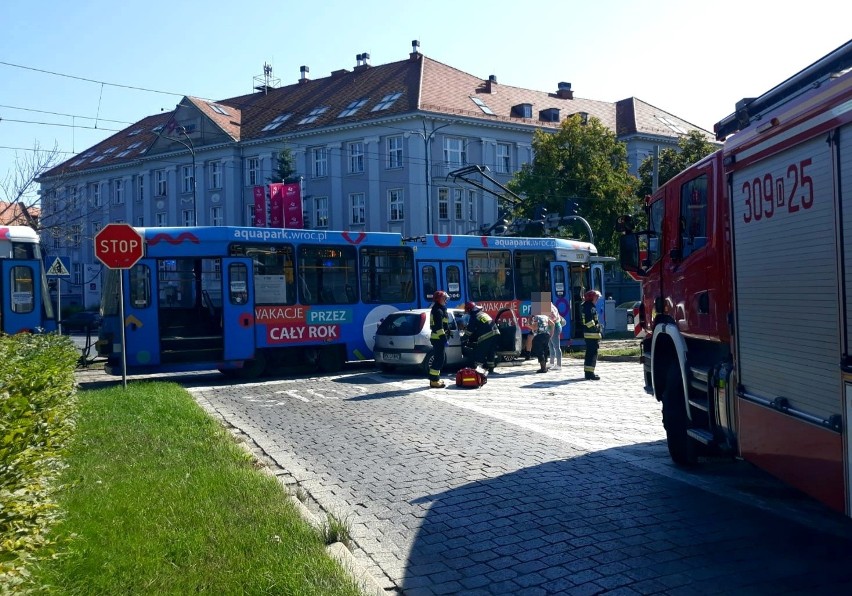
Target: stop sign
x,y
118,246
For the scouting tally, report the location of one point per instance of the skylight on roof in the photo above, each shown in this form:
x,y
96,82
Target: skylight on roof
x,y
78,162
313,115
276,122
671,124
123,153
482,105
353,107
133,133
157,128
386,102
87,154
110,150
135,145
98,158
218,109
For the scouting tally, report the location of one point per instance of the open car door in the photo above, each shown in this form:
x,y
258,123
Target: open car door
x,y
511,338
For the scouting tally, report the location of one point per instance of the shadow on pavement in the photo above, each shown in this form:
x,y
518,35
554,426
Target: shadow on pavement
x,y
584,525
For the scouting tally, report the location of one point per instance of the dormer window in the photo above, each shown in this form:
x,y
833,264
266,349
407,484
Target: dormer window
x,y
133,133
276,122
353,107
522,110
482,105
549,115
313,115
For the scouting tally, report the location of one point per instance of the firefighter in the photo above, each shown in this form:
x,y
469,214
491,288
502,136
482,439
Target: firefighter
x,y
482,335
591,333
439,323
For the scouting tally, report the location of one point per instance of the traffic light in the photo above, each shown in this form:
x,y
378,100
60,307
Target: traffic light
x,y
540,212
571,207
499,227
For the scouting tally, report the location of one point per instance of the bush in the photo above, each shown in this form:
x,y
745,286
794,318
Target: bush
x,y
36,407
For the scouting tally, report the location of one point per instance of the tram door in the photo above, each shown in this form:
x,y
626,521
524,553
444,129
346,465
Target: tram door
x,y
560,294
440,275
21,287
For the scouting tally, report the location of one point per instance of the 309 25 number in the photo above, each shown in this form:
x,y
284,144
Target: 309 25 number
x,y
764,196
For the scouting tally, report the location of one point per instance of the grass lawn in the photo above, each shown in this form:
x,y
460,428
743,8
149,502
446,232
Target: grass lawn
x,y
159,499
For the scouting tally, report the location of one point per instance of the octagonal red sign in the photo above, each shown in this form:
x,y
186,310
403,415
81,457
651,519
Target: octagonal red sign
x,y
118,246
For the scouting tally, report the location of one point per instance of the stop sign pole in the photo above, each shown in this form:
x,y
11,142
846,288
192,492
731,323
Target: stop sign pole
x,y
119,246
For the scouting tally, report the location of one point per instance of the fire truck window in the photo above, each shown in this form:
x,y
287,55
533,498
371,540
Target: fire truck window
x,y
693,210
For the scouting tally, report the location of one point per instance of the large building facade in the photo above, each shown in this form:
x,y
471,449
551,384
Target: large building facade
x,y
374,146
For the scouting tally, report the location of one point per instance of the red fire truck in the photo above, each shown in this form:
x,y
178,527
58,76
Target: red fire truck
x,y
746,271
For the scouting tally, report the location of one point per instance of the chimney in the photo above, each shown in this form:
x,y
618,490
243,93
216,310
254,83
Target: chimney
x,y
564,91
358,59
305,77
491,84
366,58
362,61
415,52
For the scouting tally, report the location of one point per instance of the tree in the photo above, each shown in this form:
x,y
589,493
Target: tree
x,y
581,166
691,148
285,168
19,196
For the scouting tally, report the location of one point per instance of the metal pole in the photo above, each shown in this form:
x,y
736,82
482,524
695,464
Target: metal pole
x,y
121,314
59,304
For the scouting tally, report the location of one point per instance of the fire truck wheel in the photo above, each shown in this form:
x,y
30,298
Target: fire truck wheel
x,y
682,448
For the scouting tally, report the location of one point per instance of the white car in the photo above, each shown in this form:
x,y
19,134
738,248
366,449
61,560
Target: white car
x,y
402,339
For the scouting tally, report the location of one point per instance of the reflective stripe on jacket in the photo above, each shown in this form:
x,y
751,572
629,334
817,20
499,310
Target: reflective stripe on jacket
x,y
439,322
481,326
591,326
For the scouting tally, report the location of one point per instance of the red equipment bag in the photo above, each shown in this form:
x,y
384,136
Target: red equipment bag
x,y
470,379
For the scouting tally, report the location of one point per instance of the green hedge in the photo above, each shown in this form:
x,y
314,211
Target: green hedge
x,y
37,403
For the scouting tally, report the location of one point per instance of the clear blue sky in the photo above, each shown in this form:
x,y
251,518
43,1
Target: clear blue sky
x,y
693,59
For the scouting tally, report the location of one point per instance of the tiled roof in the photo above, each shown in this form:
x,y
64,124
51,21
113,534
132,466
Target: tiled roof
x,y
417,84
11,214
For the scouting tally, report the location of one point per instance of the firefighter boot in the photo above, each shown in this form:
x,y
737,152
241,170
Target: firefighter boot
x,y
590,376
437,384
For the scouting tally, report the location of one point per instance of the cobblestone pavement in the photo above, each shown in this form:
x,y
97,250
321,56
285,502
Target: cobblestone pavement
x,y
533,484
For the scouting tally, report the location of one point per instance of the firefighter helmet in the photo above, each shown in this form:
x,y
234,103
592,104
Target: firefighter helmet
x,y
469,306
591,296
440,296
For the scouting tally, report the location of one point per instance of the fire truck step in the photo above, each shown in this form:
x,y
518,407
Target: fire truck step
x,y
704,437
699,403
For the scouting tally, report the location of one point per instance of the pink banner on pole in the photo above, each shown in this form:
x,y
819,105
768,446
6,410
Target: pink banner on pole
x,y
276,205
260,206
293,206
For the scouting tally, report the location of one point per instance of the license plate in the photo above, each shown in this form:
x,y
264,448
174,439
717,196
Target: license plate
x,y
391,356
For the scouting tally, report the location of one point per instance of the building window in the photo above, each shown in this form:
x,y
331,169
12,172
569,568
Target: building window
x,y
76,234
352,108
313,115
160,183
140,221
72,199
471,200
455,153
320,156
161,220
504,162
386,102
57,242
253,171
457,203
96,227
276,122
96,194
187,179
215,174
77,273
250,214
357,209
321,212
117,192
188,217
395,204
395,152
216,216
443,203
140,188
356,157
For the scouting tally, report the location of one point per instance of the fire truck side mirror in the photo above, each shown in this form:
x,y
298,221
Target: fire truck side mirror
x,y
629,253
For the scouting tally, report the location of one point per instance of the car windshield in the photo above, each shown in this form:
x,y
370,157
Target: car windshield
x,y
402,324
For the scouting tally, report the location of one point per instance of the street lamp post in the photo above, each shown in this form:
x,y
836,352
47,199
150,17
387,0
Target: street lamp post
x,y
427,137
191,148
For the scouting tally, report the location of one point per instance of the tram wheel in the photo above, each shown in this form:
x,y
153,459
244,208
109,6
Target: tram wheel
x,y
330,359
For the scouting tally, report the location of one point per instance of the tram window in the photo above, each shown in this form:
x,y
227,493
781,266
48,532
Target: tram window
x,y
274,271
23,291
110,292
238,283
532,272
387,274
24,250
430,281
325,273
140,286
489,275
177,283
559,286
453,282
